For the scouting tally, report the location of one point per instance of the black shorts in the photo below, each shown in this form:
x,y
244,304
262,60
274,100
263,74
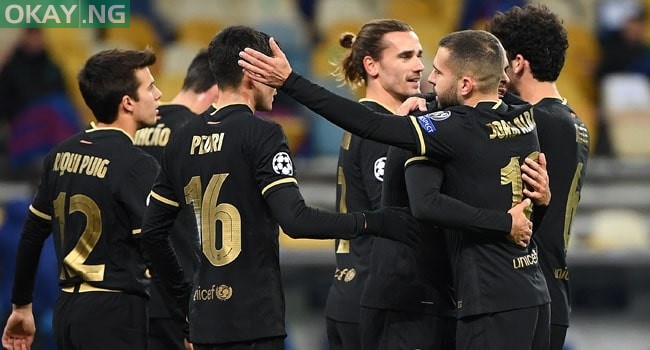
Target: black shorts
x,y
527,328
343,335
275,343
165,334
395,330
100,320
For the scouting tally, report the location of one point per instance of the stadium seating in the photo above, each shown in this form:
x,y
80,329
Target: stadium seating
x,y
615,229
198,31
626,107
140,34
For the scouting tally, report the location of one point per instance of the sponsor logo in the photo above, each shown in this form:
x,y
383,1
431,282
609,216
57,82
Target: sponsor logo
x,y
224,292
426,124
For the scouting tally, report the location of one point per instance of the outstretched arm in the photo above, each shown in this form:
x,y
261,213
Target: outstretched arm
x,y
276,72
423,182
301,221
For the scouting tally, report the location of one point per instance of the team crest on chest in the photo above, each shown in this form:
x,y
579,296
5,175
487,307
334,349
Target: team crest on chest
x,y
282,164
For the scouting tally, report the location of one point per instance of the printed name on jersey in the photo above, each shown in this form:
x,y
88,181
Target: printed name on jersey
x,y
75,163
520,125
426,124
153,136
380,165
282,164
204,144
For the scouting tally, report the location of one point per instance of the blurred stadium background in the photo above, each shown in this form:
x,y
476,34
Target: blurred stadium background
x,y
610,247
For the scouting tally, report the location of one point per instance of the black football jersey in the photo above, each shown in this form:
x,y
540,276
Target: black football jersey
x,y
482,149
564,139
94,190
221,166
401,278
153,140
360,174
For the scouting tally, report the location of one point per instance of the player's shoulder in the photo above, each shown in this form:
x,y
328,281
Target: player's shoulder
x,y
443,115
175,115
556,111
262,127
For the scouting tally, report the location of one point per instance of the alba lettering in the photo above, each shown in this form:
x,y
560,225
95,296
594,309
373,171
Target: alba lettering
x,y
522,124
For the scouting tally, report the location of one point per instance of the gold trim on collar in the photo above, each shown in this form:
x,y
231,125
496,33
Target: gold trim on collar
x,y
377,102
97,128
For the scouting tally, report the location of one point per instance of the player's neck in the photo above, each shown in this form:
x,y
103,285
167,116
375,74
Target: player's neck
x,y
475,98
235,97
533,91
383,97
121,122
197,102
185,98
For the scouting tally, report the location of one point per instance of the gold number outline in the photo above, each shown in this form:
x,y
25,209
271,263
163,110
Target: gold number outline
x,y
572,204
74,262
208,214
511,174
344,244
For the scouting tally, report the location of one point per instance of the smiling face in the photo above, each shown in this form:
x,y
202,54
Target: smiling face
x,y
444,81
400,67
145,110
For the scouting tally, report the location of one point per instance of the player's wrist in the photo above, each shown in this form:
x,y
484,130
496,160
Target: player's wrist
x,y
22,308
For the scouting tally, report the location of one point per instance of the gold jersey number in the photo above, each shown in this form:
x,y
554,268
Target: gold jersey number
x,y
511,175
344,245
74,261
209,215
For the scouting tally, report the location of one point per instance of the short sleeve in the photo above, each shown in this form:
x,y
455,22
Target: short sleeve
x,y
136,187
274,166
439,133
42,203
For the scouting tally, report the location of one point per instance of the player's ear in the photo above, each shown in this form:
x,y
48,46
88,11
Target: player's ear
x,y
128,103
371,66
212,93
247,82
518,64
465,85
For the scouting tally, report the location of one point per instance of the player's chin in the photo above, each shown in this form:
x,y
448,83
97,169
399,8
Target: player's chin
x,y
413,88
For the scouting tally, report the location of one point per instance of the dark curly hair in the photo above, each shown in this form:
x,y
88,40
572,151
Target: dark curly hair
x,y
535,33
